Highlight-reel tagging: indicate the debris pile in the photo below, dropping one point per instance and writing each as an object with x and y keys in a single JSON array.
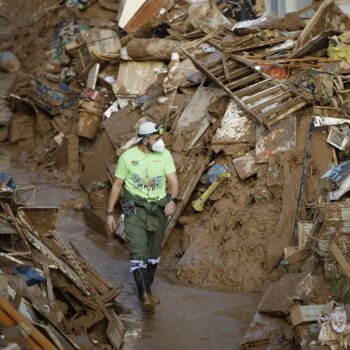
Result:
[
  {"x": 256, "y": 113},
  {"x": 66, "y": 304}
]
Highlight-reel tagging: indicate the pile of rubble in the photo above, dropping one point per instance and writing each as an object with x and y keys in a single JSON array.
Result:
[
  {"x": 256, "y": 114},
  {"x": 58, "y": 300}
]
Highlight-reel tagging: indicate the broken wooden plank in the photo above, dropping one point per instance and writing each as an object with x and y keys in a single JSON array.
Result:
[
  {"x": 252, "y": 88},
  {"x": 272, "y": 121},
  {"x": 184, "y": 197},
  {"x": 280, "y": 108},
  {"x": 339, "y": 257},
  {"x": 278, "y": 98},
  {"x": 256, "y": 45},
  {"x": 246, "y": 166},
  {"x": 7, "y": 209},
  {"x": 260, "y": 94},
  {"x": 244, "y": 81}
]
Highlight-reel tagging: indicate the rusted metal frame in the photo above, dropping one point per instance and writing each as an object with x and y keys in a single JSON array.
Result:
[
  {"x": 71, "y": 259},
  {"x": 251, "y": 63},
  {"x": 212, "y": 77},
  {"x": 199, "y": 41},
  {"x": 278, "y": 98}
]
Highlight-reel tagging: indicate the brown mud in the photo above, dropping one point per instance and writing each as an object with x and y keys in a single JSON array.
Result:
[{"x": 188, "y": 318}]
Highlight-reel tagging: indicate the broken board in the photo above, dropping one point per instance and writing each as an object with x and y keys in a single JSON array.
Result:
[
  {"x": 193, "y": 174},
  {"x": 246, "y": 166},
  {"x": 280, "y": 138},
  {"x": 197, "y": 108},
  {"x": 235, "y": 127}
]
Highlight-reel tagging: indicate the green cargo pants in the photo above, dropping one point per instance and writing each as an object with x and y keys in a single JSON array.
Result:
[{"x": 145, "y": 228}]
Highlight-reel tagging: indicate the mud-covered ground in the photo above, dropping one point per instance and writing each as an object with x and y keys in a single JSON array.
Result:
[{"x": 188, "y": 318}]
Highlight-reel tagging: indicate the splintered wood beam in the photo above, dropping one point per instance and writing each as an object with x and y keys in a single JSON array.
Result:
[
  {"x": 261, "y": 94},
  {"x": 270, "y": 122},
  {"x": 256, "y": 46},
  {"x": 220, "y": 84},
  {"x": 278, "y": 98},
  {"x": 197, "y": 174},
  {"x": 339, "y": 257},
  {"x": 244, "y": 81},
  {"x": 252, "y": 88},
  {"x": 224, "y": 62}
]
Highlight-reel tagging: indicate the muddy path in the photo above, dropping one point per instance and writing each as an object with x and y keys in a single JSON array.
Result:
[{"x": 188, "y": 318}]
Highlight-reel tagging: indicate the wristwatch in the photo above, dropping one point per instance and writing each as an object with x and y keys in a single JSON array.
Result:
[
  {"x": 109, "y": 213},
  {"x": 175, "y": 200}
]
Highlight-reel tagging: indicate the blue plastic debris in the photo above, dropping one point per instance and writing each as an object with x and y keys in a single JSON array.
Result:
[
  {"x": 31, "y": 275},
  {"x": 215, "y": 171},
  {"x": 7, "y": 181}
]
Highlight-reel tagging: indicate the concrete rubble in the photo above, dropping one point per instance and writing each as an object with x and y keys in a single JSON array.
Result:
[{"x": 256, "y": 112}]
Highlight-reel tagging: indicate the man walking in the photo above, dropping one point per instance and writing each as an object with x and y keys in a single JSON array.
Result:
[{"x": 143, "y": 172}]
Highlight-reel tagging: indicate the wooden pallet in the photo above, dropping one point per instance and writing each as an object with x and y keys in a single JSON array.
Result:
[{"x": 255, "y": 92}]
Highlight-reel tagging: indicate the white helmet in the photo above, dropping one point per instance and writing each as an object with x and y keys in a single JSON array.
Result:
[{"x": 148, "y": 129}]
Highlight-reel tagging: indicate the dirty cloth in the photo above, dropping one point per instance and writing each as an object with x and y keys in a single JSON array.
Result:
[
  {"x": 335, "y": 329},
  {"x": 145, "y": 226}
]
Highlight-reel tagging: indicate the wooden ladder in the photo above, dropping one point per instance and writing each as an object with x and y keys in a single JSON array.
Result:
[{"x": 255, "y": 92}]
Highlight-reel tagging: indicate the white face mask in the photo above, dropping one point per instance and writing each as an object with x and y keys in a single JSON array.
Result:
[{"x": 158, "y": 146}]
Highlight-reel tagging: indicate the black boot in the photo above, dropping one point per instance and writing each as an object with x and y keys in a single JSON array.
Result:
[
  {"x": 151, "y": 272},
  {"x": 144, "y": 289}
]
